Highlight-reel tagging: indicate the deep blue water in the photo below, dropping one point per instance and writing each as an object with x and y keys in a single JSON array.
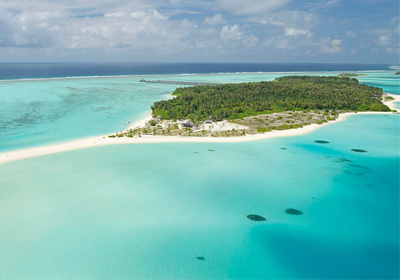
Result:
[{"x": 51, "y": 70}]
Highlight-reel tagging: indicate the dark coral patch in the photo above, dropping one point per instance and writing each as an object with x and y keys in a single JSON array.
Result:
[
  {"x": 200, "y": 258},
  {"x": 343, "y": 160},
  {"x": 292, "y": 211},
  {"x": 359, "y": 150},
  {"x": 321, "y": 142},
  {"x": 283, "y": 149},
  {"x": 210, "y": 150},
  {"x": 256, "y": 218}
]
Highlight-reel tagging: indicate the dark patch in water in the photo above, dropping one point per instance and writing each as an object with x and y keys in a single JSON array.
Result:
[
  {"x": 359, "y": 166},
  {"x": 256, "y": 218},
  {"x": 200, "y": 258},
  {"x": 359, "y": 150},
  {"x": 321, "y": 142},
  {"x": 343, "y": 160},
  {"x": 210, "y": 150},
  {"x": 283, "y": 149},
  {"x": 292, "y": 211},
  {"x": 195, "y": 152}
]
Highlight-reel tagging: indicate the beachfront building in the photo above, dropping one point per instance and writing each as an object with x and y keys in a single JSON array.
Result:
[{"x": 189, "y": 124}]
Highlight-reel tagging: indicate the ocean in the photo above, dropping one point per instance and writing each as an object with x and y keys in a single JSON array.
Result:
[
  {"x": 53, "y": 70},
  {"x": 162, "y": 211}
]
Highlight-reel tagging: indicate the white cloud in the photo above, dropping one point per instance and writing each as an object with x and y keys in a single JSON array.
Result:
[
  {"x": 353, "y": 51},
  {"x": 209, "y": 32},
  {"x": 217, "y": 19},
  {"x": 295, "y": 32},
  {"x": 250, "y": 7},
  {"x": 121, "y": 27},
  {"x": 231, "y": 32},
  {"x": 351, "y": 34},
  {"x": 323, "y": 4},
  {"x": 136, "y": 27},
  {"x": 294, "y": 19},
  {"x": 393, "y": 50},
  {"x": 384, "y": 40},
  {"x": 250, "y": 41},
  {"x": 334, "y": 47}
]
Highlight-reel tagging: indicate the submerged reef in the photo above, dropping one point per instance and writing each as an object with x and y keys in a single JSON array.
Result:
[
  {"x": 343, "y": 160},
  {"x": 200, "y": 258},
  {"x": 256, "y": 218},
  {"x": 292, "y": 211},
  {"x": 321, "y": 141},
  {"x": 359, "y": 150}
]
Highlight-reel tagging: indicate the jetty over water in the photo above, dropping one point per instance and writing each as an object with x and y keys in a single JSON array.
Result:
[{"x": 178, "y": 83}]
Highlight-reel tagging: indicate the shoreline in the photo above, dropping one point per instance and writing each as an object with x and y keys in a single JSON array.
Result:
[
  {"x": 185, "y": 74},
  {"x": 103, "y": 140}
]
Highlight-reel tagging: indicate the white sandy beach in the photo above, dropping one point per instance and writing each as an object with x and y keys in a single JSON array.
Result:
[{"x": 104, "y": 140}]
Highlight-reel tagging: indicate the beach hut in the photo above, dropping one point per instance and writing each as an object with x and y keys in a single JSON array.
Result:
[{"x": 189, "y": 124}]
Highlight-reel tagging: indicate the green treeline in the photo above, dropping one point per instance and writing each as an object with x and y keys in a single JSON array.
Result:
[
  {"x": 350, "y": 75},
  {"x": 290, "y": 93}
]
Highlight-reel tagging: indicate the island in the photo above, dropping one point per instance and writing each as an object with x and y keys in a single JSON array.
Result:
[
  {"x": 229, "y": 113},
  {"x": 227, "y": 110},
  {"x": 397, "y": 73},
  {"x": 350, "y": 75}
]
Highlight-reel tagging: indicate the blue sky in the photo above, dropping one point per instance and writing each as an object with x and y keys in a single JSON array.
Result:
[{"x": 356, "y": 31}]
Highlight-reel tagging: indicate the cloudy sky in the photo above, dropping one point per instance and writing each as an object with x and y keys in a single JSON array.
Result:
[{"x": 363, "y": 31}]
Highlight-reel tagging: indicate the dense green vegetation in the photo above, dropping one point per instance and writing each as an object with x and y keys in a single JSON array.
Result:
[
  {"x": 350, "y": 75},
  {"x": 291, "y": 93}
]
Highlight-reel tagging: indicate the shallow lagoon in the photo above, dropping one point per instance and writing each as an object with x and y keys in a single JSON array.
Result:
[{"x": 148, "y": 211}]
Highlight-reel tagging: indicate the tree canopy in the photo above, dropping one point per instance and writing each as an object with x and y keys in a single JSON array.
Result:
[{"x": 289, "y": 93}]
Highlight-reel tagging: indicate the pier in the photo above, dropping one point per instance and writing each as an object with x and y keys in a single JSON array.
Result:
[{"x": 178, "y": 83}]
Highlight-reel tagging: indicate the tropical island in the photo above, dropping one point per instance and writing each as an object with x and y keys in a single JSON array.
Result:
[
  {"x": 288, "y": 102},
  {"x": 350, "y": 75},
  {"x": 397, "y": 73},
  {"x": 287, "y": 106}
]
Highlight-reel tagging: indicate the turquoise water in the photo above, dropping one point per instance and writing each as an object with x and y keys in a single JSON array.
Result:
[
  {"x": 147, "y": 211},
  {"x": 39, "y": 112},
  {"x": 386, "y": 80},
  {"x": 45, "y": 111}
]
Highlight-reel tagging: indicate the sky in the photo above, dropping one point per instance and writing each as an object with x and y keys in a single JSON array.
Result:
[{"x": 338, "y": 31}]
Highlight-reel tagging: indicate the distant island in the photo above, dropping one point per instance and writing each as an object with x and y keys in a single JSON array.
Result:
[
  {"x": 350, "y": 75},
  {"x": 397, "y": 73},
  {"x": 257, "y": 107}
]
